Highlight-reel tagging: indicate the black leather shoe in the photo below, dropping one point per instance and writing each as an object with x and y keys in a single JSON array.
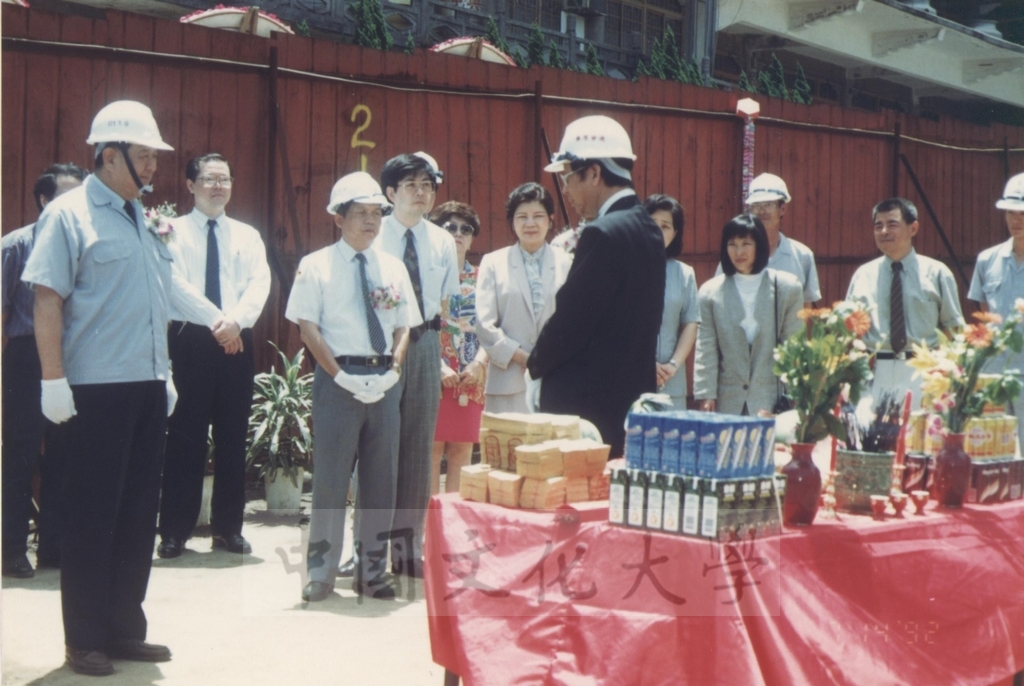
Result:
[
  {"x": 347, "y": 570},
  {"x": 377, "y": 589},
  {"x": 233, "y": 544},
  {"x": 18, "y": 567},
  {"x": 89, "y": 662},
  {"x": 315, "y": 591},
  {"x": 170, "y": 547},
  {"x": 137, "y": 650}
]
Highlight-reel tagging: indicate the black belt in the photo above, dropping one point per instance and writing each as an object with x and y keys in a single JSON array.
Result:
[
  {"x": 417, "y": 331},
  {"x": 890, "y": 355},
  {"x": 375, "y": 361}
]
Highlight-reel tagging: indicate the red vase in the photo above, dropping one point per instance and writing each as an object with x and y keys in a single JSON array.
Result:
[
  {"x": 952, "y": 472},
  {"x": 803, "y": 487}
]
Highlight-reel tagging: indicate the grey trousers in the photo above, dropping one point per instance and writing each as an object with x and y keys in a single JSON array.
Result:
[{"x": 343, "y": 427}]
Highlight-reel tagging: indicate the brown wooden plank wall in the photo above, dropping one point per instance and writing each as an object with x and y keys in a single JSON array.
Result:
[{"x": 459, "y": 111}]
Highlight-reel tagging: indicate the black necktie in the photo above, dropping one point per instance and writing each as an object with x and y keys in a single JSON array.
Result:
[
  {"x": 377, "y": 339},
  {"x": 212, "y": 265},
  {"x": 412, "y": 264},
  {"x": 897, "y": 320},
  {"x": 130, "y": 209}
]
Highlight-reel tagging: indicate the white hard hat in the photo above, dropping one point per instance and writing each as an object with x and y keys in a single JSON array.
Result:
[
  {"x": 356, "y": 187},
  {"x": 126, "y": 121},
  {"x": 1013, "y": 195},
  {"x": 435, "y": 171},
  {"x": 593, "y": 138},
  {"x": 766, "y": 188}
]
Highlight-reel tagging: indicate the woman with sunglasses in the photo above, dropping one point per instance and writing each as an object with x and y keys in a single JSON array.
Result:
[
  {"x": 516, "y": 296},
  {"x": 681, "y": 313},
  {"x": 744, "y": 313},
  {"x": 465, "y": 362}
]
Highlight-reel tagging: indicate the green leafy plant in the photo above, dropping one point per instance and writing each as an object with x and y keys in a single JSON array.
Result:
[
  {"x": 372, "y": 31},
  {"x": 801, "y": 92},
  {"x": 302, "y": 28},
  {"x": 745, "y": 83},
  {"x": 593, "y": 64},
  {"x": 493, "y": 37},
  {"x": 817, "y": 368},
  {"x": 410, "y": 44},
  {"x": 555, "y": 57},
  {"x": 951, "y": 371},
  {"x": 535, "y": 46},
  {"x": 279, "y": 435}
]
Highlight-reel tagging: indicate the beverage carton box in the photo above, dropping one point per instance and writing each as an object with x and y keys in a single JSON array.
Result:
[
  {"x": 914, "y": 476},
  {"x": 985, "y": 483},
  {"x": 635, "y": 425},
  {"x": 1016, "y": 491},
  {"x": 670, "y": 443},
  {"x": 767, "y": 465},
  {"x": 755, "y": 445},
  {"x": 738, "y": 455},
  {"x": 689, "y": 428},
  {"x": 715, "y": 445},
  {"x": 651, "y": 459}
]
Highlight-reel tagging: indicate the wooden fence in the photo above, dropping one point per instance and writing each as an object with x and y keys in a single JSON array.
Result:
[{"x": 294, "y": 114}]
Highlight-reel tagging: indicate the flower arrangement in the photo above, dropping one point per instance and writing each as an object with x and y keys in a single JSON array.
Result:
[
  {"x": 817, "y": 368},
  {"x": 158, "y": 221},
  {"x": 569, "y": 238},
  {"x": 385, "y": 297},
  {"x": 950, "y": 372}
]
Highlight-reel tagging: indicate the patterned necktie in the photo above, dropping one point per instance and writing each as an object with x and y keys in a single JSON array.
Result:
[
  {"x": 377, "y": 339},
  {"x": 897, "y": 320},
  {"x": 412, "y": 264},
  {"x": 130, "y": 209},
  {"x": 212, "y": 265}
]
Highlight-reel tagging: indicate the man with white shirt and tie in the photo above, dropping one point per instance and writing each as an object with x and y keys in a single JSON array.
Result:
[
  {"x": 354, "y": 306},
  {"x": 221, "y": 282},
  {"x": 428, "y": 252}
]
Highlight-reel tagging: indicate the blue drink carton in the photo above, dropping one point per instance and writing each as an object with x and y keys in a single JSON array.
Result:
[
  {"x": 767, "y": 464},
  {"x": 651, "y": 459},
  {"x": 670, "y": 443},
  {"x": 755, "y": 444},
  {"x": 689, "y": 428},
  {"x": 714, "y": 446},
  {"x": 635, "y": 424},
  {"x": 738, "y": 454}
]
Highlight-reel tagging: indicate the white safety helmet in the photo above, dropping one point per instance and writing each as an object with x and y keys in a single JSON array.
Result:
[
  {"x": 126, "y": 121},
  {"x": 1013, "y": 195},
  {"x": 596, "y": 138},
  {"x": 767, "y": 188},
  {"x": 356, "y": 187},
  {"x": 434, "y": 171}
]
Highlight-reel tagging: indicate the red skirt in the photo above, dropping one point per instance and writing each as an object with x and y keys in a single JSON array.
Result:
[{"x": 455, "y": 423}]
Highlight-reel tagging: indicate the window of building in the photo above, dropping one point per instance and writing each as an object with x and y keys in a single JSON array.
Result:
[{"x": 646, "y": 18}]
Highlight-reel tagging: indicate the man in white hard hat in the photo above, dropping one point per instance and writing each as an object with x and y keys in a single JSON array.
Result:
[
  {"x": 23, "y": 424},
  {"x": 221, "y": 283},
  {"x": 102, "y": 280},
  {"x": 768, "y": 199},
  {"x": 593, "y": 355},
  {"x": 428, "y": 252},
  {"x": 999, "y": 279},
  {"x": 910, "y": 298},
  {"x": 355, "y": 306}
]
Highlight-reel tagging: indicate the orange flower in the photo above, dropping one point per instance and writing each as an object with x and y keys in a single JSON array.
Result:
[
  {"x": 988, "y": 317},
  {"x": 805, "y": 314},
  {"x": 1019, "y": 305},
  {"x": 978, "y": 335},
  {"x": 823, "y": 312},
  {"x": 858, "y": 323}
]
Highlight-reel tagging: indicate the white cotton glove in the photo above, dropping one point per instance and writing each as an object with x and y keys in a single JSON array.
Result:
[
  {"x": 383, "y": 383},
  {"x": 368, "y": 398},
  {"x": 172, "y": 396},
  {"x": 354, "y": 384},
  {"x": 58, "y": 402},
  {"x": 532, "y": 392}
]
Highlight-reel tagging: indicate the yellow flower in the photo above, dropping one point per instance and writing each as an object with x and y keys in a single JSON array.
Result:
[{"x": 935, "y": 384}]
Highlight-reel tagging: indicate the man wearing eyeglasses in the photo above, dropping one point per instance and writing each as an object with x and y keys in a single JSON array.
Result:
[
  {"x": 221, "y": 282},
  {"x": 428, "y": 252}
]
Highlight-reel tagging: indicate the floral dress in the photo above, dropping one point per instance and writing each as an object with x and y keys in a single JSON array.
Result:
[{"x": 459, "y": 344}]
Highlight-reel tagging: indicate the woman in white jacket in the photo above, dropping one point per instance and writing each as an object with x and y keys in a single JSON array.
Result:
[{"x": 515, "y": 296}]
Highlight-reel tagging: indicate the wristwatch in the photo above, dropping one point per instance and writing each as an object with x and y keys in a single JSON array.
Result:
[
  {"x": 397, "y": 368},
  {"x": 673, "y": 363}
]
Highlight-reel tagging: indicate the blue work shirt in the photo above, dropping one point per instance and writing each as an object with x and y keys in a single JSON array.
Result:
[
  {"x": 997, "y": 283},
  {"x": 18, "y": 298},
  {"x": 115, "y": 278}
]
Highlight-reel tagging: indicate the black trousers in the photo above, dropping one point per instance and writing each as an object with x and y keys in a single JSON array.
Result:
[
  {"x": 111, "y": 494},
  {"x": 22, "y": 435},
  {"x": 214, "y": 389}
]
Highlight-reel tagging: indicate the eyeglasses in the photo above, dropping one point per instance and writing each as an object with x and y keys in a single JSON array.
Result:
[
  {"x": 211, "y": 181},
  {"x": 416, "y": 186},
  {"x": 454, "y": 228},
  {"x": 760, "y": 207},
  {"x": 565, "y": 176}
]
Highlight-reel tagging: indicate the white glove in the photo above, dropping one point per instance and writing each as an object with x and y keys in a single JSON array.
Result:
[
  {"x": 172, "y": 396},
  {"x": 354, "y": 384},
  {"x": 368, "y": 398},
  {"x": 58, "y": 402},
  {"x": 382, "y": 383}
]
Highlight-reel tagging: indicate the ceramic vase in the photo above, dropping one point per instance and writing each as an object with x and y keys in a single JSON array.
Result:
[
  {"x": 803, "y": 487},
  {"x": 952, "y": 472}
]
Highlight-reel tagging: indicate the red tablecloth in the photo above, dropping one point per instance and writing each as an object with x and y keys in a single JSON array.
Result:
[{"x": 523, "y": 597}]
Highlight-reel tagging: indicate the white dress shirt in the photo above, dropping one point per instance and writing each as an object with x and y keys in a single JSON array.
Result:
[
  {"x": 624, "y": 193},
  {"x": 329, "y": 293},
  {"x": 435, "y": 251},
  {"x": 244, "y": 274}
]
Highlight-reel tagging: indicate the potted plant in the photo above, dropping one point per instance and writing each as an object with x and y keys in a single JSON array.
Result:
[
  {"x": 816, "y": 368},
  {"x": 950, "y": 375},
  {"x": 280, "y": 443},
  {"x": 864, "y": 465}
]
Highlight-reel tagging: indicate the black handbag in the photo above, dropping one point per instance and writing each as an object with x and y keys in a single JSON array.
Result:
[{"x": 784, "y": 403}]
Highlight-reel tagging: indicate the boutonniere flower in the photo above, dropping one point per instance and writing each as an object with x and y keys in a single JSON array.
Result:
[
  {"x": 158, "y": 221},
  {"x": 385, "y": 297}
]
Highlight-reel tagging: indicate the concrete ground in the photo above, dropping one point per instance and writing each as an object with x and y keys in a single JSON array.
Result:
[{"x": 232, "y": 619}]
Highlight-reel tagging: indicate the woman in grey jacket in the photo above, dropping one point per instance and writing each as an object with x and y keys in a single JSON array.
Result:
[{"x": 745, "y": 313}]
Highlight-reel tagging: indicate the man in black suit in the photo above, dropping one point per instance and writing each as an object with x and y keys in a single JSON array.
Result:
[{"x": 594, "y": 354}]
